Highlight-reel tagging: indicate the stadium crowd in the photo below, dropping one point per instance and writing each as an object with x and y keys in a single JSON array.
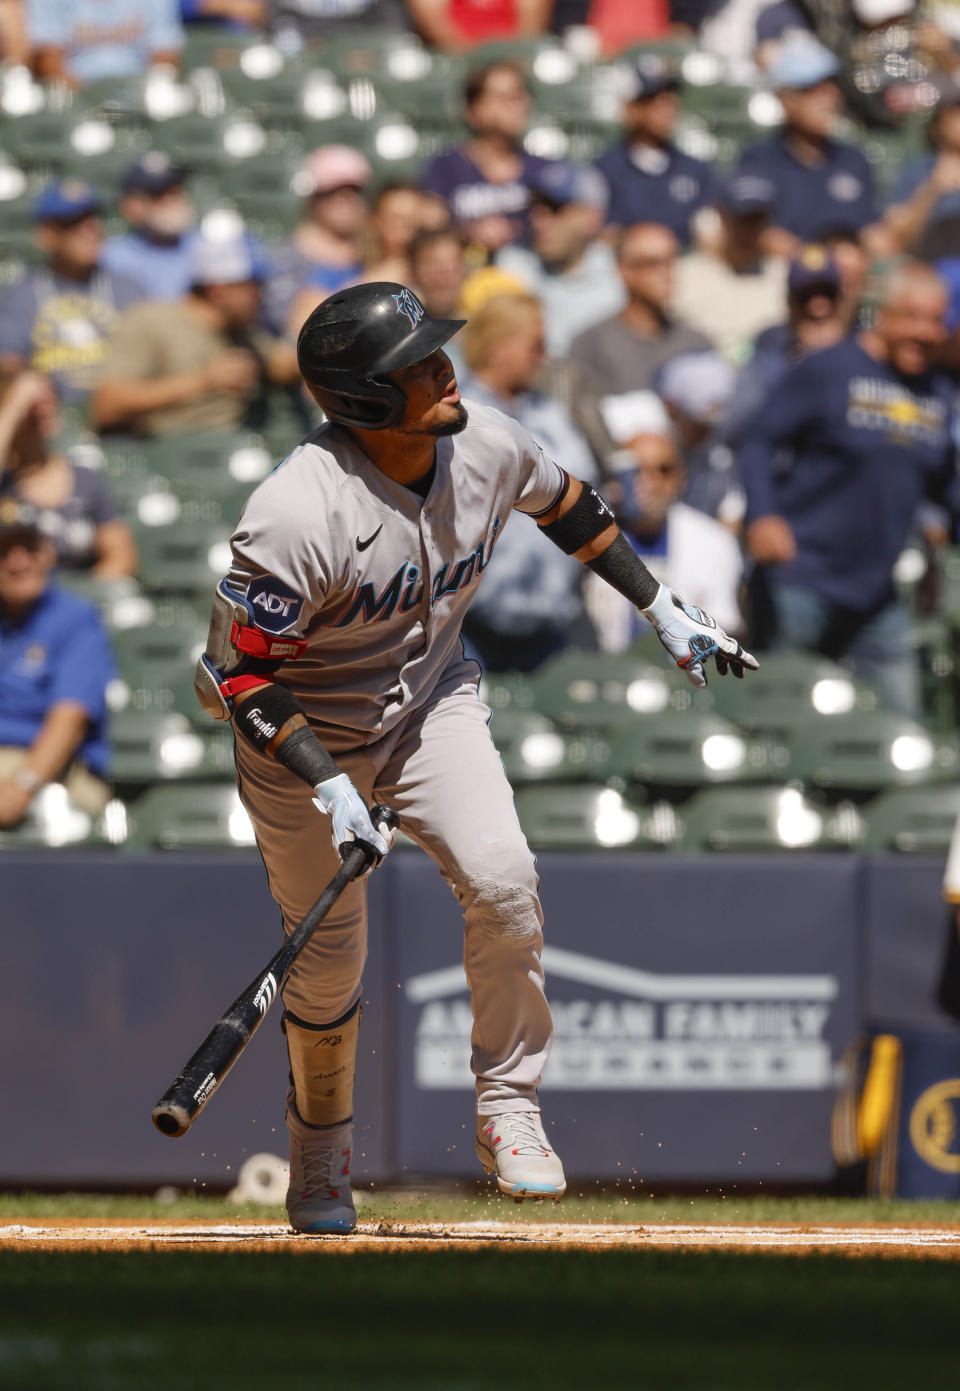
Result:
[{"x": 757, "y": 359}]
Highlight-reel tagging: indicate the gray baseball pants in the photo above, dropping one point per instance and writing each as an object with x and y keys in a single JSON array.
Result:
[{"x": 440, "y": 771}]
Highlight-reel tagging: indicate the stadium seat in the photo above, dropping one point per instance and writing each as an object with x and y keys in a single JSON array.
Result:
[
  {"x": 534, "y": 750},
  {"x": 868, "y": 751},
  {"x": 680, "y": 750},
  {"x": 198, "y": 816},
  {"x": 148, "y": 747},
  {"x": 762, "y": 818},
  {"x": 210, "y": 464},
  {"x": 790, "y": 688},
  {"x": 603, "y": 692},
  {"x": 913, "y": 819},
  {"x": 506, "y": 691},
  {"x": 578, "y": 817},
  {"x": 151, "y": 661},
  {"x": 185, "y": 557}
]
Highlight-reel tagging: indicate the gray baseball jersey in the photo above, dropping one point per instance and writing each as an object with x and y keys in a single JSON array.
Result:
[{"x": 375, "y": 578}]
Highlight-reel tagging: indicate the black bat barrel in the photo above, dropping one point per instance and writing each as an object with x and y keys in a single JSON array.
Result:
[{"x": 197, "y": 1081}]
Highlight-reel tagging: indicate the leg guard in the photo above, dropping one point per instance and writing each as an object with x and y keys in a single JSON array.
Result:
[{"x": 322, "y": 1066}]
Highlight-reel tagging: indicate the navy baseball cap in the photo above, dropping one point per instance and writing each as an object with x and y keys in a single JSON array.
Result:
[
  {"x": 153, "y": 173},
  {"x": 67, "y": 200},
  {"x": 813, "y": 268},
  {"x": 560, "y": 184},
  {"x": 18, "y": 518},
  {"x": 748, "y": 194},
  {"x": 651, "y": 76}
]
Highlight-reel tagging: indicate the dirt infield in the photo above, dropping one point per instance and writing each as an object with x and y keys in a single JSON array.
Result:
[{"x": 852, "y": 1240}]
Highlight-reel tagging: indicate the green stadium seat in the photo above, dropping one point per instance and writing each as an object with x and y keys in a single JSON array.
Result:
[
  {"x": 751, "y": 819},
  {"x": 603, "y": 691},
  {"x": 578, "y": 817},
  {"x": 151, "y": 661},
  {"x": 684, "y": 749},
  {"x": 506, "y": 691},
  {"x": 195, "y": 816},
  {"x": 868, "y": 751},
  {"x": 790, "y": 688},
  {"x": 185, "y": 557},
  {"x": 149, "y": 747},
  {"x": 534, "y": 750},
  {"x": 917, "y": 820}
]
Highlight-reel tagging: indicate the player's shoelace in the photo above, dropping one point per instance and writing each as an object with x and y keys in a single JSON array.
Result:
[
  {"x": 323, "y": 1170},
  {"x": 521, "y": 1132}
]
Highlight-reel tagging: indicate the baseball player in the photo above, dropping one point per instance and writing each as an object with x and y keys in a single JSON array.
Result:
[{"x": 335, "y": 649}]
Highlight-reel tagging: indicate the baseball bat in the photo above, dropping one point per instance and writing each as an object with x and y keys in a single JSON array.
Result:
[{"x": 197, "y": 1081}]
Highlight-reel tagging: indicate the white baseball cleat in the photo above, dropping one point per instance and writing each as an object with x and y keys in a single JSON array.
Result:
[
  {"x": 319, "y": 1199},
  {"x": 514, "y": 1147}
]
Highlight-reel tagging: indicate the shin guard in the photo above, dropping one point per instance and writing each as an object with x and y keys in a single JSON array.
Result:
[{"x": 322, "y": 1066}]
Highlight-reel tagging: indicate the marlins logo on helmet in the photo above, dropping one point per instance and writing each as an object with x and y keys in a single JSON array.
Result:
[{"x": 408, "y": 304}]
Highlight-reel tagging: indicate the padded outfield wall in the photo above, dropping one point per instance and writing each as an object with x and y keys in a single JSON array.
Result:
[{"x": 702, "y": 1008}]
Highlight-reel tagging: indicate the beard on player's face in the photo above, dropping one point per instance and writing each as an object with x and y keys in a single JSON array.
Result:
[{"x": 450, "y": 427}]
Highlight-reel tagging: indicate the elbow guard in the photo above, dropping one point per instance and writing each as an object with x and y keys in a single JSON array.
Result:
[
  {"x": 238, "y": 654},
  {"x": 582, "y": 523}
]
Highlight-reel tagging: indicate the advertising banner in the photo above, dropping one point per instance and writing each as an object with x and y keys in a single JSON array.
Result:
[{"x": 701, "y": 1007}]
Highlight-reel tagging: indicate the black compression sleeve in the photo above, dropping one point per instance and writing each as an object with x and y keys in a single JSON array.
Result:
[
  {"x": 623, "y": 569},
  {"x": 303, "y": 753},
  {"x": 260, "y": 719}
]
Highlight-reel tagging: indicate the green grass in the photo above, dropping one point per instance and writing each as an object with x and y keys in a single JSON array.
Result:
[
  {"x": 475, "y": 1320},
  {"x": 455, "y": 1321},
  {"x": 471, "y": 1206}
]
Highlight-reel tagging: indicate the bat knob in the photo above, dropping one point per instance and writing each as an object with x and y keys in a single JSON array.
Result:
[
  {"x": 170, "y": 1119},
  {"x": 385, "y": 817}
]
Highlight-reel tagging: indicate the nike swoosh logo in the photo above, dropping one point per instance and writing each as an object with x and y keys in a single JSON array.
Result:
[{"x": 362, "y": 545}]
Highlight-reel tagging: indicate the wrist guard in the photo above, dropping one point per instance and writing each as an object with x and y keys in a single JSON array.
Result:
[
  {"x": 623, "y": 569},
  {"x": 585, "y": 520}
]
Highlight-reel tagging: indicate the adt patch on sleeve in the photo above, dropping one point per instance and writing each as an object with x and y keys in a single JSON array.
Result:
[{"x": 276, "y": 606}]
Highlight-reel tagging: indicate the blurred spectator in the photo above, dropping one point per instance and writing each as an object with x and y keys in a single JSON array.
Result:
[
  {"x": 924, "y": 215},
  {"x": 74, "y": 508},
  {"x": 53, "y": 677},
  {"x": 820, "y": 182},
  {"x": 697, "y": 389},
  {"x": 776, "y": 25},
  {"x": 395, "y": 219},
  {"x": 835, "y": 467},
  {"x": 853, "y": 264},
  {"x": 14, "y": 45},
  {"x": 231, "y": 14},
  {"x": 326, "y": 248},
  {"x": 437, "y": 271},
  {"x": 155, "y": 251},
  {"x": 649, "y": 179},
  {"x": 815, "y": 320},
  {"x": 58, "y": 317},
  {"x": 622, "y": 353},
  {"x": 733, "y": 290},
  {"x": 456, "y": 25},
  {"x": 530, "y": 603},
  {"x": 298, "y": 24},
  {"x": 84, "y": 41},
  {"x": 618, "y": 25},
  {"x": 198, "y": 363},
  {"x": 568, "y": 269},
  {"x": 486, "y": 182},
  {"x": 690, "y": 552},
  {"x": 394, "y": 222}
]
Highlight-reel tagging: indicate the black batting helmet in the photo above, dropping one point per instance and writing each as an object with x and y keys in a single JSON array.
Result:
[{"x": 354, "y": 338}]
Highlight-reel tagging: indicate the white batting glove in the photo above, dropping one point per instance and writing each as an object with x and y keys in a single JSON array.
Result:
[
  {"x": 692, "y": 636},
  {"x": 350, "y": 819}
]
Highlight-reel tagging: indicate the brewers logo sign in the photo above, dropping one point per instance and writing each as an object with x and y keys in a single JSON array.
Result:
[{"x": 934, "y": 1131}]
